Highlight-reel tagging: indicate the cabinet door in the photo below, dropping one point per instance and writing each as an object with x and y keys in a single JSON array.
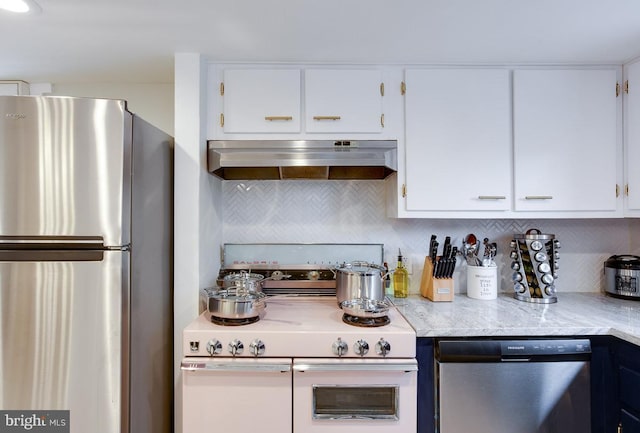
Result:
[
  {"x": 261, "y": 100},
  {"x": 565, "y": 140},
  {"x": 628, "y": 423},
  {"x": 632, "y": 139},
  {"x": 344, "y": 101},
  {"x": 458, "y": 139}
]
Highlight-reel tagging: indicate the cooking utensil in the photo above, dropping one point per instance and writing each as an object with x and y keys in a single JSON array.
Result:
[
  {"x": 360, "y": 280},
  {"x": 470, "y": 249},
  {"x": 490, "y": 250},
  {"x": 234, "y": 303},
  {"x": 367, "y": 308},
  {"x": 243, "y": 280}
]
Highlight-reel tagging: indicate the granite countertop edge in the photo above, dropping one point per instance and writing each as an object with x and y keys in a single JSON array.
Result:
[{"x": 575, "y": 314}]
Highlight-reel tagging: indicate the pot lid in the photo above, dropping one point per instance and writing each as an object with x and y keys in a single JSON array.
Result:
[
  {"x": 361, "y": 268},
  {"x": 243, "y": 276},
  {"x": 233, "y": 294}
]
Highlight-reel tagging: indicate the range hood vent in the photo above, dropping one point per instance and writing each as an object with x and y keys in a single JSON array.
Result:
[{"x": 302, "y": 159}]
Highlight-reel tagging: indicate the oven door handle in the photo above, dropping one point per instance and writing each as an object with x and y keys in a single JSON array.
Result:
[
  {"x": 199, "y": 366},
  {"x": 404, "y": 367}
]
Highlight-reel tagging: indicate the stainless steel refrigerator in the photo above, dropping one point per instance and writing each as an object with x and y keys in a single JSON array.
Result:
[{"x": 86, "y": 238}]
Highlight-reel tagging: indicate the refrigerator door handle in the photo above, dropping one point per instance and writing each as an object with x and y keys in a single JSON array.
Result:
[{"x": 49, "y": 255}]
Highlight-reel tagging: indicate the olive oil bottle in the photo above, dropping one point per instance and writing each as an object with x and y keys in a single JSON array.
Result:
[{"x": 400, "y": 279}]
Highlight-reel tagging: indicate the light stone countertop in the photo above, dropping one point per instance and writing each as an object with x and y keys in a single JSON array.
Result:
[{"x": 575, "y": 314}]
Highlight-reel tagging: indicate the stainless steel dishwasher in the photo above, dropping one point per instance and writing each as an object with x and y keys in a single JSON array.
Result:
[{"x": 513, "y": 386}]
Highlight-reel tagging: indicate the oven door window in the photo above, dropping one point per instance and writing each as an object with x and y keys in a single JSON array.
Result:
[{"x": 355, "y": 402}]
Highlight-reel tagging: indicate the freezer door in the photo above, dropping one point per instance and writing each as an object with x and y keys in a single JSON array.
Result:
[
  {"x": 61, "y": 338},
  {"x": 64, "y": 167}
]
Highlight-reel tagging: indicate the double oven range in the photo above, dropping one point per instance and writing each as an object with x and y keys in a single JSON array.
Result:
[{"x": 303, "y": 367}]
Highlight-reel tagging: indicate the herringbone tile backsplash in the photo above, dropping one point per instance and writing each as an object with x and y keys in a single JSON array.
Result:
[{"x": 354, "y": 212}]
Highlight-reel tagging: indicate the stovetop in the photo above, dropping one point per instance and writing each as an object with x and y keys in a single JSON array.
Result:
[{"x": 302, "y": 326}]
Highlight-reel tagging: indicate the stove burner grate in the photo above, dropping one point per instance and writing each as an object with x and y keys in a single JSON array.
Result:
[
  {"x": 223, "y": 321},
  {"x": 366, "y": 322}
]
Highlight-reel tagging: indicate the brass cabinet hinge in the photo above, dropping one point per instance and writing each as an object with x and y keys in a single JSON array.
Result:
[
  {"x": 222, "y": 120},
  {"x": 626, "y": 190},
  {"x": 221, "y": 88},
  {"x": 404, "y": 190},
  {"x": 381, "y": 89},
  {"x": 626, "y": 87},
  {"x": 617, "y": 89},
  {"x": 382, "y": 120},
  {"x": 403, "y": 88}
]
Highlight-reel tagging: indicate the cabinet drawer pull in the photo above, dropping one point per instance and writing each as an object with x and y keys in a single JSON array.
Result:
[
  {"x": 538, "y": 197},
  {"x": 272, "y": 118},
  {"x": 492, "y": 197},
  {"x": 326, "y": 117}
]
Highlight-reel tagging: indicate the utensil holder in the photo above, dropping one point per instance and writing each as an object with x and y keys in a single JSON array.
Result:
[
  {"x": 435, "y": 289},
  {"x": 482, "y": 282}
]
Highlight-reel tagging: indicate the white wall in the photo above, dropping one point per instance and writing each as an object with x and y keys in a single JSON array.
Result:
[
  {"x": 198, "y": 224},
  {"x": 353, "y": 212},
  {"x": 153, "y": 102}
]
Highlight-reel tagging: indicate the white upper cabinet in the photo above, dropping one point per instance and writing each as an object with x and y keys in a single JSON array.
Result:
[
  {"x": 296, "y": 102},
  {"x": 632, "y": 139},
  {"x": 458, "y": 140},
  {"x": 343, "y": 100},
  {"x": 566, "y": 142},
  {"x": 260, "y": 100}
]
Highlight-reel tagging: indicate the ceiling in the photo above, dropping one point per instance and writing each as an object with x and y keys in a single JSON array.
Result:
[{"x": 72, "y": 41}]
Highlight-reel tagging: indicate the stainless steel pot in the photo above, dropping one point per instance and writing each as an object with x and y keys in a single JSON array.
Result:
[
  {"x": 360, "y": 280},
  {"x": 233, "y": 303},
  {"x": 366, "y": 308},
  {"x": 243, "y": 280}
]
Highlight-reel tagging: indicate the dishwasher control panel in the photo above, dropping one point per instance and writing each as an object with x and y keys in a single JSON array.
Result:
[{"x": 513, "y": 350}]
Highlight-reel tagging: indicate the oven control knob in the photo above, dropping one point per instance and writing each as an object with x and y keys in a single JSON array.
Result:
[
  {"x": 361, "y": 347},
  {"x": 214, "y": 347},
  {"x": 340, "y": 347},
  {"x": 256, "y": 347},
  {"x": 236, "y": 347},
  {"x": 383, "y": 347}
]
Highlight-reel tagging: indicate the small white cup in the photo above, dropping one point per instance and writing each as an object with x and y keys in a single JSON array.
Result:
[{"x": 482, "y": 282}]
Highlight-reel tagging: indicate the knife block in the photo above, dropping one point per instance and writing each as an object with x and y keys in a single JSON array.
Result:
[{"x": 435, "y": 289}]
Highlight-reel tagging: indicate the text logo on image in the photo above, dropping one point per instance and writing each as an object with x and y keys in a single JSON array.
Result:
[{"x": 36, "y": 421}]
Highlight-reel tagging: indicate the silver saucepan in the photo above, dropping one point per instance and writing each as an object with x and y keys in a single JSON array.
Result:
[
  {"x": 366, "y": 308},
  {"x": 233, "y": 303},
  {"x": 252, "y": 282},
  {"x": 360, "y": 280}
]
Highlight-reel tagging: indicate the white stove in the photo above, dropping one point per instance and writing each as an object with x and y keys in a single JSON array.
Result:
[
  {"x": 300, "y": 368},
  {"x": 302, "y": 326}
]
